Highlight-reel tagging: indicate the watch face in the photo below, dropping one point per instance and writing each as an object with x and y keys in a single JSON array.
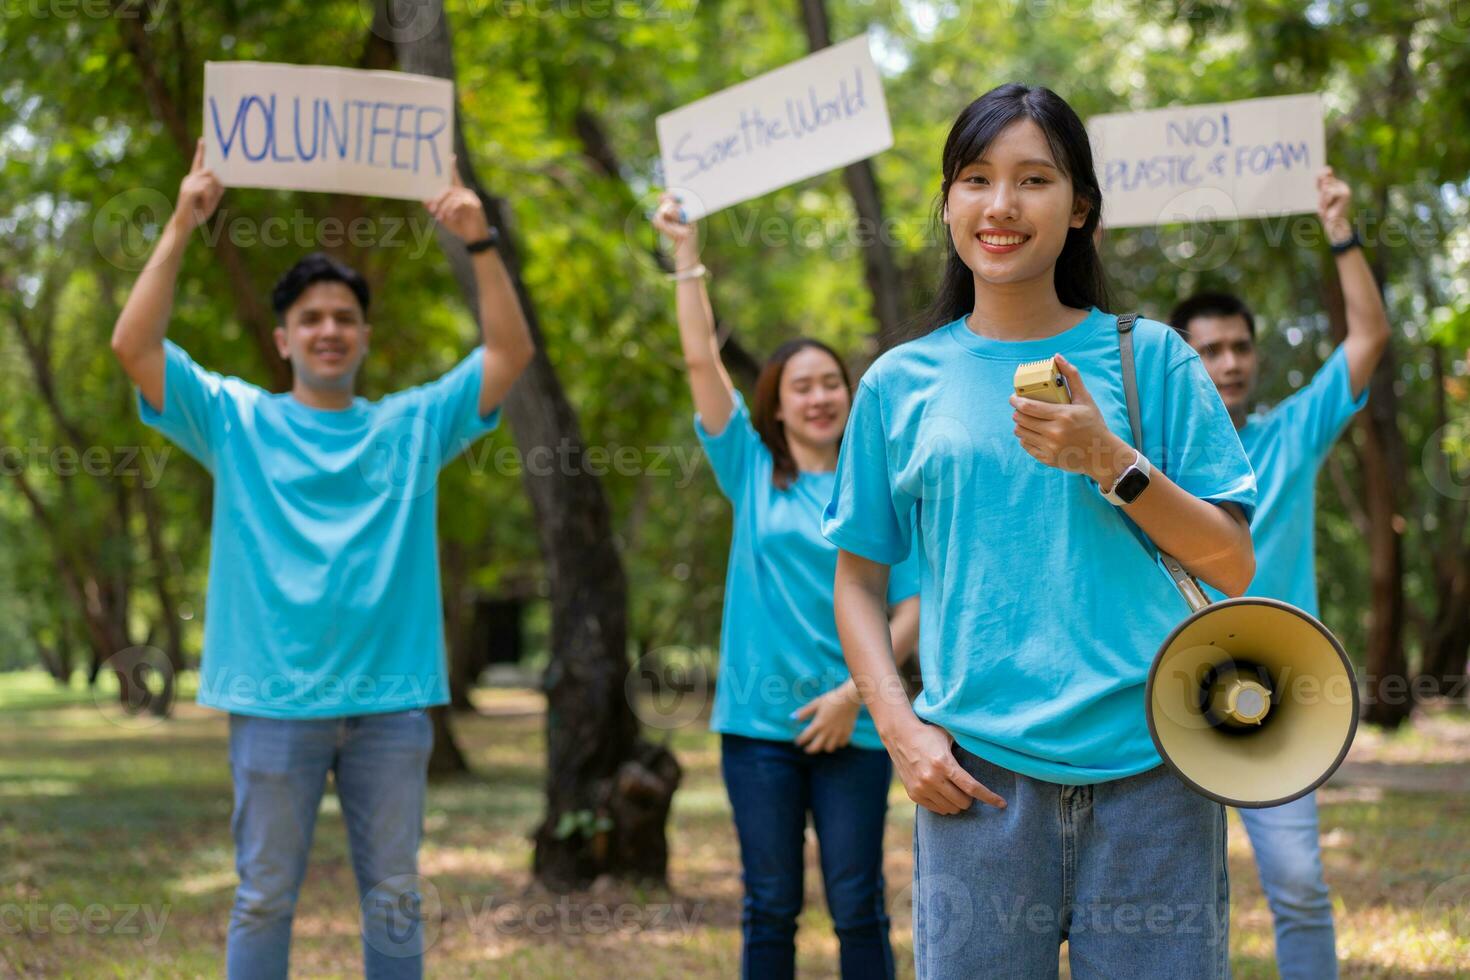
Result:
[{"x": 1133, "y": 483}]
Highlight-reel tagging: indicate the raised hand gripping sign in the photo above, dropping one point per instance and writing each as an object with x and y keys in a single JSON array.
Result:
[
  {"x": 811, "y": 116},
  {"x": 308, "y": 128},
  {"x": 1227, "y": 160}
]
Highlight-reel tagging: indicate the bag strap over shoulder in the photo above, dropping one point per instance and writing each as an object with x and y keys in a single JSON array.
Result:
[{"x": 1188, "y": 587}]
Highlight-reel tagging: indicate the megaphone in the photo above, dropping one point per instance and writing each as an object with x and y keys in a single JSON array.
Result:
[{"x": 1250, "y": 701}]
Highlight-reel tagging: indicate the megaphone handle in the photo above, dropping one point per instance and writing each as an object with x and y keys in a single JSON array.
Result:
[{"x": 1185, "y": 583}]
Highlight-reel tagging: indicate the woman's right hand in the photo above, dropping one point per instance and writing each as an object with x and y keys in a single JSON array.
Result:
[
  {"x": 667, "y": 220},
  {"x": 933, "y": 777}
]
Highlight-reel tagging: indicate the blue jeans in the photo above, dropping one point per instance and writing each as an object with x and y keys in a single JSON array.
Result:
[
  {"x": 1289, "y": 858},
  {"x": 772, "y": 786},
  {"x": 1132, "y": 873},
  {"x": 280, "y": 767}
]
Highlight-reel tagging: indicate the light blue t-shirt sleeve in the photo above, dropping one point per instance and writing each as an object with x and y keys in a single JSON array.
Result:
[
  {"x": 867, "y": 516},
  {"x": 1201, "y": 450},
  {"x": 451, "y": 405},
  {"x": 193, "y": 401},
  {"x": 904, "y": 578},
  {"x": 734, "y": 452},
  {"x": 1319, "y": 412}
]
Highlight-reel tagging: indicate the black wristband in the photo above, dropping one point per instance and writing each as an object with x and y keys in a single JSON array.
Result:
[
  {"x": 489, "y": 241},
  {"x": 1353, "y": 241}
]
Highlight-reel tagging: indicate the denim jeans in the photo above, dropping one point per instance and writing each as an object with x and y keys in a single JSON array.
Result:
[
  {"x": 1132, "y": 873},
  {"x": 280, "y": 767},
  {"x": 1289, "y": 858},
  {"x": 772, "y": 787}
]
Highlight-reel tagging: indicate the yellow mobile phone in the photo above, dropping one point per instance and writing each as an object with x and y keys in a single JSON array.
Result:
[{"x": 1042, "y": 381}]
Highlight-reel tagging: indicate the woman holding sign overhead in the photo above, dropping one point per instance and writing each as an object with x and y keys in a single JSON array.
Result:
[
  {"x": 1044, "y": 812},
  {"x": 794, "y": 737}
]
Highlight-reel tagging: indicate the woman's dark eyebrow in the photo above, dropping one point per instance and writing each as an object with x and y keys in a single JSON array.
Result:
[{"x": 1033, "y": 162}]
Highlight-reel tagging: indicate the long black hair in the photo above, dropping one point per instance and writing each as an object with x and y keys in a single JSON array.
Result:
[{"x": 1079, "y": 275}]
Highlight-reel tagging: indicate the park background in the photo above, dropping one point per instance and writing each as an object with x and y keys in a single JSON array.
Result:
[{"x": 597, "y": 581}]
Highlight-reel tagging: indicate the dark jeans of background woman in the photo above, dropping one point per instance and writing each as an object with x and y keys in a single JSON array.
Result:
[{"x": 773, "y": 786}]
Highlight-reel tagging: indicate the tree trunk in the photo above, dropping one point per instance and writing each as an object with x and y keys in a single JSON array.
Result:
[
  {"x": 1380, "y": 453},
  {"x": 1447, "y": 640},
  {"x": 608, "y": 791},
  {"x": 885, "y": 280}
]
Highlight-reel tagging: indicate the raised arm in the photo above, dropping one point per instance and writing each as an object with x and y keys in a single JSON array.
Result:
[
  {"x": 503, "y": 329},
  {"x": 1367, "y": 320},
  {"x": 708, "y": 381},
  {"x": 137, "y": 338}
]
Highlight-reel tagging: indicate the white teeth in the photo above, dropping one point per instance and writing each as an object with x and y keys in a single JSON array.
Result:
[{"x": 1002, "y": 239}]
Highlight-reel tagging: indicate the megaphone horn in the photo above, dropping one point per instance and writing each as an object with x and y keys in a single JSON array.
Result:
[{"x": 1250, "y": 701}]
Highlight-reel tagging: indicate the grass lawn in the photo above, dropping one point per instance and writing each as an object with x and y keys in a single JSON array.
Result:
[{"x": 116, "y": 861}]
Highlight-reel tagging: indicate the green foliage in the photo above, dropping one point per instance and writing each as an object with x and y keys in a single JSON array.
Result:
[{"x": 81, "y": 137}]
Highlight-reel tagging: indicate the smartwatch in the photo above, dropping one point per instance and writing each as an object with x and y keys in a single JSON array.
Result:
[{"x": 1130, "y": 484}]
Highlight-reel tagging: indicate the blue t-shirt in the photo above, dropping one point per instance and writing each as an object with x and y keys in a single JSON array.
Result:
[
  {"x": 1286, "y": 446},
  {"x": 323, "y": 593},
  {"x": 1041, "y": 605},
  {"x": 778, "y": 640}
]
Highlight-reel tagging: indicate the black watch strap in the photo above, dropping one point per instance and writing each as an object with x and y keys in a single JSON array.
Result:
[
  {"x": 489, "y": 241},
  {"x": 1353, "y": 241}
]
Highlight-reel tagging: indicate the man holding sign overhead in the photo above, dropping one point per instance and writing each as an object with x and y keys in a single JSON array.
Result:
[
  {"x": 324, "y": 635},
  {"x": 1287, "y": 445}
]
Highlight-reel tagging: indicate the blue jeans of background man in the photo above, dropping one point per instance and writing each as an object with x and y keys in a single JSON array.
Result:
[
  {"x": 1289, "y": 859},
  {"x": 773, "y": 786},
  {"x": 280, "y": 767},
  {"x": 1131, "y": 873}
]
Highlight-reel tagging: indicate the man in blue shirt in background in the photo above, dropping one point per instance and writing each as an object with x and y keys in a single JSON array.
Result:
[
  {"x": 1286, "y": 446},
  {"x": 323, "y": 635}
]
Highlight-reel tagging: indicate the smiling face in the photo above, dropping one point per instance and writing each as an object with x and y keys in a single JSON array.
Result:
[
  {"x": 325, "y": 336},
  {"x": 814, "y": 399},
  {"x": 1228, "y": 351},
  {"x": 1009, "y": 210}
]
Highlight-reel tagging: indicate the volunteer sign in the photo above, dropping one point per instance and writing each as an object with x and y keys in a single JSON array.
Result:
[
  {"x": 308, "y": 128},
  {"x": 1247, "y": 159},
  {"x": 806, "y": 118}
]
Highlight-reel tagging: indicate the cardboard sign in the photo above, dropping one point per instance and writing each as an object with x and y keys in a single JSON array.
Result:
[
  {"x": 306, "y": 128},
  {"x": 811, "y": 116},
  {"x": 1249, "y": 159}
]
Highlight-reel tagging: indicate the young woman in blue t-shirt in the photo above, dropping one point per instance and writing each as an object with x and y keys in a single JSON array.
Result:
[
  {"x": 793, "y": 736},
  {"x": 1042, "y": 602}
]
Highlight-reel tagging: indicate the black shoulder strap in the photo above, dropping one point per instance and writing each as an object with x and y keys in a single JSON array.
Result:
[
  {"x": 1183, "y": 581},
  {"x": 1130, "y": 376}
]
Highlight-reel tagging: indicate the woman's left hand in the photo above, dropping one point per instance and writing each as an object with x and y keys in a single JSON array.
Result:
[
  {"x": 1071, "y": 437},
  {"x": 833, "y": 716}
]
